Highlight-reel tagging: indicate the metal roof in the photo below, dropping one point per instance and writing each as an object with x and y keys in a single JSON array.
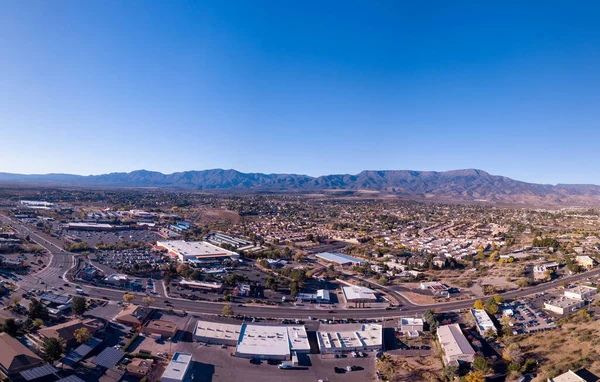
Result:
[
  {"x": 71, "y": 378},
  {"x": 339, "y": 258},
  {"x": 108, "y": 358},
  {"x": 38, "y": 372},
  {"x": 78, "y": 354},
  {"x": 54, "y": 298}
]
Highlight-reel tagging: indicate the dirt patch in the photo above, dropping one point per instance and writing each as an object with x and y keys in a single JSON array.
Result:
[{"x": 419, "y": 298}]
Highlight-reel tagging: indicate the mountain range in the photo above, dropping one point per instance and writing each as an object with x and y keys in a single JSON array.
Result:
[{"x": 457, "y": 185}]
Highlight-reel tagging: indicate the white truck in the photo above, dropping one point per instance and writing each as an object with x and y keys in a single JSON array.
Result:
[{"x": 285, "y": 365}]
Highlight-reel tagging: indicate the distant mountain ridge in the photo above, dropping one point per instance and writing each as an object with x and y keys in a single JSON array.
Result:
[{"x": 467, "y": 185}]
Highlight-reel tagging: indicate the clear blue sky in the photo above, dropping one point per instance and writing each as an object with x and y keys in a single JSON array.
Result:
[{"x": 311, "y": 87}]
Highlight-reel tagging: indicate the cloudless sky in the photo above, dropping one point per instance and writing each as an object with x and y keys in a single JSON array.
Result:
[{"x": 310, "y": 87}]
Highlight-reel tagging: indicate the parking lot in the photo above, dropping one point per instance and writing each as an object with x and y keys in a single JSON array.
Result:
[
  {"x": 213, "y": 363},
  {"x": 113, "y": 237},
  {"x": 528, "y": 318}
]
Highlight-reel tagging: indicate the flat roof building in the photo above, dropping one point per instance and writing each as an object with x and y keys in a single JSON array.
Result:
[
  {"x": 358, "y": 294},
  {"x": 580, "y": 292},
  {"x": 455, "y": 345},
  {"x": 186, "y": 250},
  {"x": 563, "y": 305},
  {"x": 274, "y": 342},
  {"x": 349, "y": 337},
  {"x": 339, "y": 258},
  {"x": 483, "y": 322},
  {"x": 160, "y": 328},
  {"x": 411, "y": 324},
  {"x": 178, "y": 369},
  {"x": 217, "y": 333}
]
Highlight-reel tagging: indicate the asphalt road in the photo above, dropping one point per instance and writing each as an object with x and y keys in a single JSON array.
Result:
[{"x": 61, "y": 261}]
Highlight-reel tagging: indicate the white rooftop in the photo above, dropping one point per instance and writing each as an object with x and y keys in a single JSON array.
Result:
[
  {"x": 178, "y": 367},
  {"x": 349, "y": 336},
  {"x": 217, "y": 330},
  {"x": 272, "y": 339},
  {"x": 482, "y": 319},
  {"x": 411, "y": 321},
  {"x": 194, "y": 248},
  {"x": 453, "y": 341},
  {"x": 358, "y": 293}
]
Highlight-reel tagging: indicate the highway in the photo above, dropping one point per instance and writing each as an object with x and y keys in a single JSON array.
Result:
[{"x": 62, "y": 261}]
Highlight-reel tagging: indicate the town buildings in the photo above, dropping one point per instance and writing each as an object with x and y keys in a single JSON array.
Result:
[
  {"x": 160, "y": 328},
  {"x": 358, "y": 295},
  {"x": 338, "y": 258},
  {"x": 454, "y": 344}
]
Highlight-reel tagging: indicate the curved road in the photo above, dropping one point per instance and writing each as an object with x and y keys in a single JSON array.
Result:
[{"x": 62, "y": 261}]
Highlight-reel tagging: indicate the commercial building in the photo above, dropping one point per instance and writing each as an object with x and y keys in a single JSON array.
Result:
[
  {"x": 16, "y": 357},
  {"x": 359, "y": 295},
  {"x": 84, "y": 226},
  {"x": 178, "y": 369},
  {"x": 274, "y": 342},
  {"x": 580, "y": 292},
  {"x": 454, "y": 344},
  {"x": 200, "y": 285},
  {"x": 436, "y": 288},
  {"x": 411, "y": 324},
  {"x": 349, "y": 337},
  {"x": 186, "y": 250},
  {"x": 563, "y": 305},
  {"x": 483, "y": 322},
  {"x": 585, "y": 261},
  {"x": 117, "y": 279},
  {"x": 160, "y": 328},
  {"x": 321, "y": 297},
  {"x": 217, "y": 333},
  {"x": 338, "y": 258}
]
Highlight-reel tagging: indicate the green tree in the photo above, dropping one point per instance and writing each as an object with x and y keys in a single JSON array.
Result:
[
  {"x": 293, "y": 289},
  {"x": 450, "y": 372},
  {"x": 37, "y": 310},
  {"x": 10, "y": 327},
  {"x": 78, "y": 305},
  {"x": 227, "y": 310},
  {"x": 52, "y": 349},
  {"x": 481, "y": 364},
  {"x": 491, "y": 307},
  {"x": 498, "y": 299}
]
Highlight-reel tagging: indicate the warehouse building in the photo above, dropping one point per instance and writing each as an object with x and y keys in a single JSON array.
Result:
[
  {"x": 336, "y": 339},
  {"x": 186, "y": 250},
  {"x": 359, "y": 295},
  {"x": 455, "y": 345},
  {"x": 483, "y": 322},
  {"x": 217, "y": 333},
  {"x": 274, "y": 342},
  {"x": 338, "y": 258}
]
